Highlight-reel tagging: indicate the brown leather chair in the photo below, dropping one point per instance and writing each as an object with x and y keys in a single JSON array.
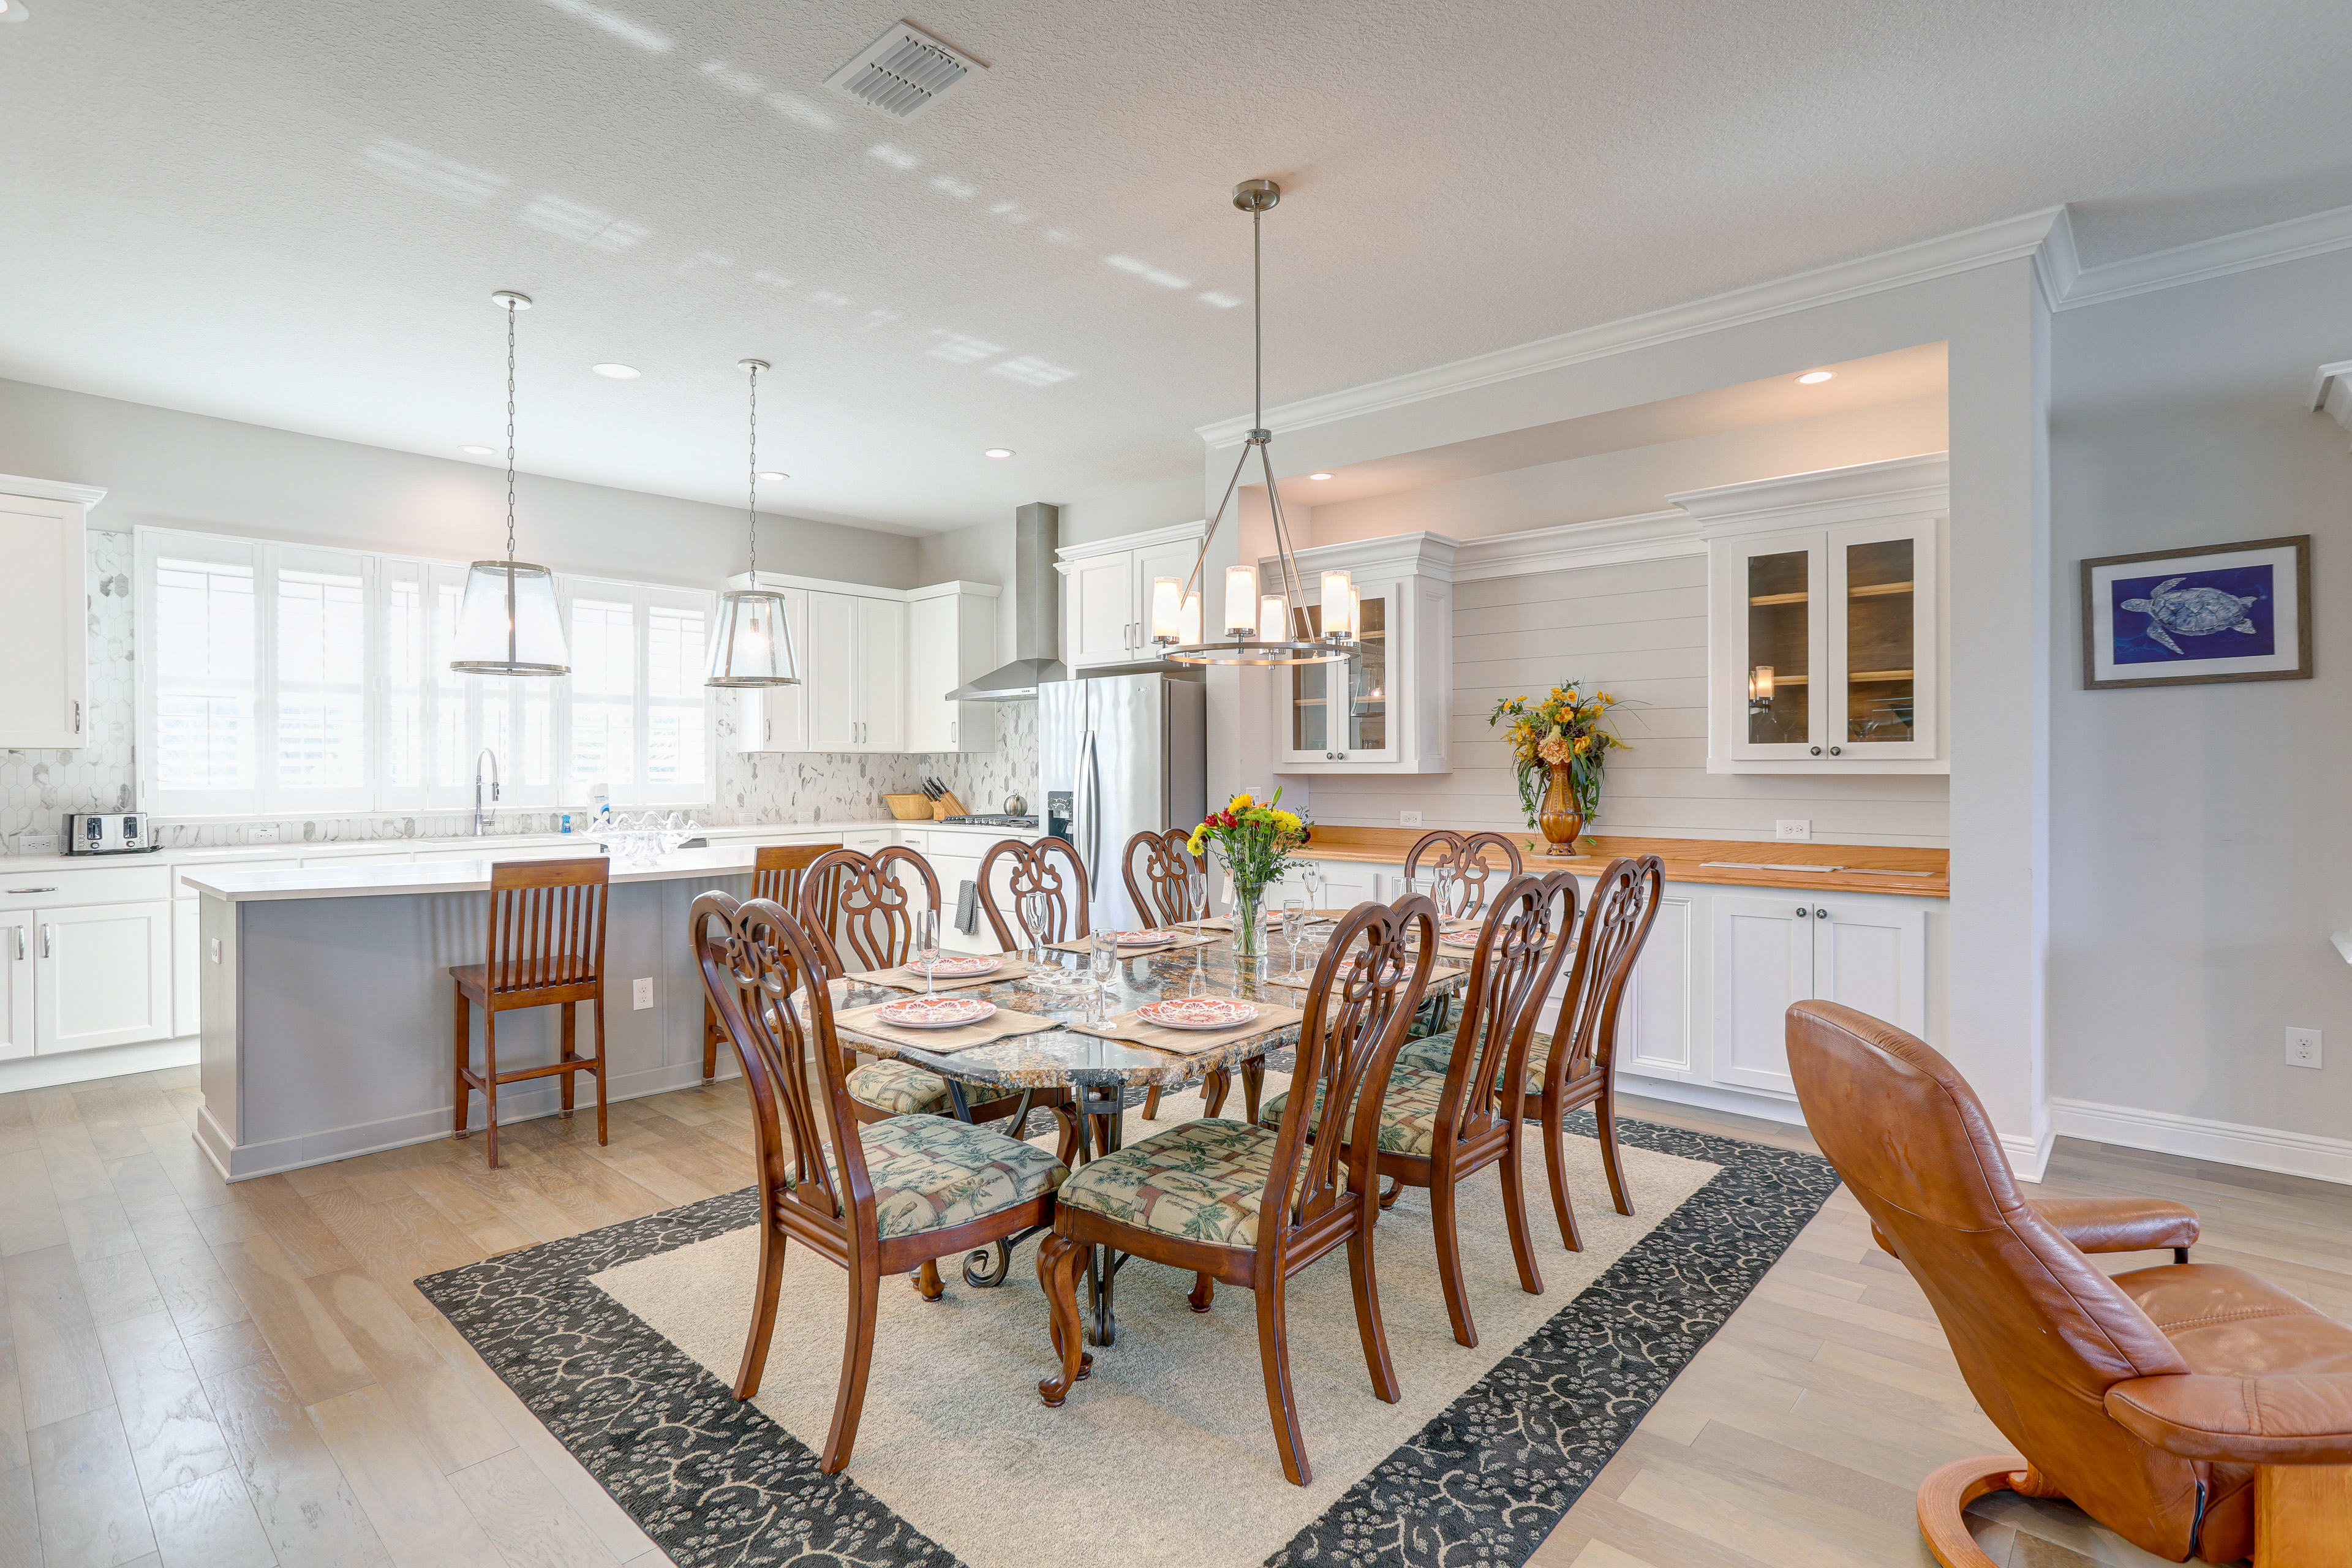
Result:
[{"x": 2195, "y": 1410}]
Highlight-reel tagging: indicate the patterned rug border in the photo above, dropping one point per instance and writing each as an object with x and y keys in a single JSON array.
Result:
[{"x": 714, "y": 1482}]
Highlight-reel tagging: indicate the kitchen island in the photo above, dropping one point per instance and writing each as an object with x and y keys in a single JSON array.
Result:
[{"x": 328, "y": 1007}]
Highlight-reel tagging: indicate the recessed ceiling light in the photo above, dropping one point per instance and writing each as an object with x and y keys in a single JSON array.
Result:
[
  {"x": 1318, "y": 475},
  {"x": 998, "y": 452},
  {"x": 775, "y": 477},
  {"x": 1815, "y": 377},
  {"x": 480, "y": 451},
  {"x": 14, "y": 11},
  {"x": 615, "y": 372}
]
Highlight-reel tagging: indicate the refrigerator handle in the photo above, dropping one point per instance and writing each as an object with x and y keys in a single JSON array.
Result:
[{"x": 1088, "y": 806}]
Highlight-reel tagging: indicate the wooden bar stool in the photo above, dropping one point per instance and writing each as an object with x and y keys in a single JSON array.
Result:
[
  {"x": 776, "y": 877},
  {"x": 546, "y": 949}
]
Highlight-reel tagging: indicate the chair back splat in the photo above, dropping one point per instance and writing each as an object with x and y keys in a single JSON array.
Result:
[
  {"x": 1155, "y": 866},
  {"x": 1358, "y": 1005},
  {"x": 1443, "y": 849},
  {"x": 547, "y": 926},
  {"x": 1616, "y": 926},
  {"x": 1530, "y": 929},
  {"x": 1051, "y": 867},
  {"x": 857, "y": 910}
]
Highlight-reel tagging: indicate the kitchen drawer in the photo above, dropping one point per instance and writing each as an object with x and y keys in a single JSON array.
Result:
[{"x": 107, "y": 885}]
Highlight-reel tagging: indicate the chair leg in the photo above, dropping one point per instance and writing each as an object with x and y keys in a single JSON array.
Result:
[
  {"x": 857, "y": 1360},
  {"x": 1253, "y": 1086},
  {"x": 928, "y": 1283},
  {"x": 1944, "y": 1497},
  {"x": 1604, "y": 1110},
  {"x": 1214, "y": 1085},
  {"x": 1203, "y": 1293},
  {"x": 1058, "y": 1261},
  {"x": 597, "y": 1006},
  {"x": 763, "y": 1311},
  {"x": 1281, "y": 1403},
  {"x": 709, "y": 1041},
  {"x": 1449, "y": 1257},
  {"x": 490, "y": 1079},
  {"x": 567, "y": 1045},
  {"x": 1556, "y": 1166},
  {"x": 1390, "y": 1193},
  {"x": 465, "y": 1093},
  {"x": 1066, "y": 1146},
  {"x": 1151, "y": 1103},
  {"x": 1369, "y": 1326},
  {"x": 1515, "y": 1211}
]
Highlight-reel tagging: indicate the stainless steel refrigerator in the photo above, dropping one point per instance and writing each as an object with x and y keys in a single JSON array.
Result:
[{"x": 1118, "y": 754}]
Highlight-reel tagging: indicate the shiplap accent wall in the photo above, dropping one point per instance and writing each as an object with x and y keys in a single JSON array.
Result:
[{"x": 1638, "y": 629}]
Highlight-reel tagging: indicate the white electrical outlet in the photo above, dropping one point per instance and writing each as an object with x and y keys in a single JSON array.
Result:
[
  {"x": 1798, "y": 828},
  {"x": 42, "y": 843},
  {"x": 641, "y": 992},
  {"x": 2302, "y": 1048},
  {"x": 261, "y": 832},
  {"x": 1408, "y": 819},
  {"x": 216, "y": 950}
]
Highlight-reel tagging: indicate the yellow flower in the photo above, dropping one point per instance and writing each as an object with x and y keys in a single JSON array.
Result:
[
  {"x": 1239, "y": 802},
  {"x": 1193, "y": 844}
]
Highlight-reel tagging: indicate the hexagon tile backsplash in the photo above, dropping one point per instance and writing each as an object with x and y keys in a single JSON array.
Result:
[{"x": 38, "y": 788}]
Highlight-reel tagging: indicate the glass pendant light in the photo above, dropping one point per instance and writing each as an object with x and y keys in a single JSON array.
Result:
[
  {"x": 752, "y": 645},
  {"x": 1258, "y": 627},
  {"x": 508, "y": 622}
]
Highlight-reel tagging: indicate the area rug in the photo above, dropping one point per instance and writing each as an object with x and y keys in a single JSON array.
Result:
[{"x": 623, "y": 1341}]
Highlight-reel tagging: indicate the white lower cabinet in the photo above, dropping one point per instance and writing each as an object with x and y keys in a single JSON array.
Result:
[
  {"x": 187, "y": 976},
  {"x": 1771, "y": 952},
  {"x": 101, "y": 976},
  {"x": 16, "y": 983}
]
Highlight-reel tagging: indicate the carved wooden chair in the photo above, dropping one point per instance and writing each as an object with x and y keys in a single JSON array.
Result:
[
  {"x": 545, "y": 949},
  {"x": 1462, "y": 858},
  {"x": 1154, "y": 865},
  {"x": 867, "y": 904},
  {"x": 1032, "y": 868},
  {"x": 1256, "y": 1207},
  {"x": 1438, "y": 1126},
  {"x": 776, "y": 877},
  {"x": 877, "y": 1198}
]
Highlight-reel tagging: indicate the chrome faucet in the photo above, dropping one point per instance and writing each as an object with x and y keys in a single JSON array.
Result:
[{"x": 481, "y": 817}]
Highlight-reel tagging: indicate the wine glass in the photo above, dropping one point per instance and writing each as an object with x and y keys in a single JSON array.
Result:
[
  {"x": 1106, "y": 958},
  {"x": 1318, "y": 883},
  {"x": 1035, "y": 911},
  {"x": 1294, "y": 927},
  {"x": 1196, "y": 888},
  {"x": 927, "y": 944},
  {"x": 1441, "y": 887}
]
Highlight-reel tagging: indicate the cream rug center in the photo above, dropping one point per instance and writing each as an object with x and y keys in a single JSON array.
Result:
[{"x": 1165, "y": 1457}]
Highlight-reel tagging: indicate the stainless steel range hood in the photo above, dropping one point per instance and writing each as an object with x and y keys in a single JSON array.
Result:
[{"x": 1036, "y": 614}]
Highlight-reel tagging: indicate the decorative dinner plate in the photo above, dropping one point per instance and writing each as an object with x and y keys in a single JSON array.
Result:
[
  {"x": 1459, "y": 939},
  {"x": 962, "y": 967},
  {"x": 1197, "y": 1013},
  {"x": 1144, "y": 939},
  {"x": 935, "y": 1012}
]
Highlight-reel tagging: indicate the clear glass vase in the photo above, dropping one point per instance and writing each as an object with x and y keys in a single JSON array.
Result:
[{"x": 1249, "y": 921}]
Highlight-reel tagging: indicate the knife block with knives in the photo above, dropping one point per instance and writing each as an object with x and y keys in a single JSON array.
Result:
[{"x": 944, "y": 803}]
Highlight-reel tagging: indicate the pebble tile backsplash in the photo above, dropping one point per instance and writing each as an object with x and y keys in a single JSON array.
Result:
[{"x": 38, "y": 788}]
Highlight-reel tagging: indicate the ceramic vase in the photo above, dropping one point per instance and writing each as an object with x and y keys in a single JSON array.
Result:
[{"x": 1561, "y": 819}]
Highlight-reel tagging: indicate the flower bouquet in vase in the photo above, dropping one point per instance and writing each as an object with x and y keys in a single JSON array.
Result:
[
  {"x": 1560, "y": 743},
  {"x": 1255, "y": 843}
]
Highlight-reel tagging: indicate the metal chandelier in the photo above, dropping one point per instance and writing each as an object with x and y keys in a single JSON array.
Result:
[
  {"x": 751, "y": 644},
  {"x": 1259, "y": 628},
  {"x": 508, "y": 621}
]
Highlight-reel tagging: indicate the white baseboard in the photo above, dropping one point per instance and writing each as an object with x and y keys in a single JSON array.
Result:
[
  {"x": 2028, "y": 1155},
  {"x": 265, "y": 1159},
  {"x": 2196, "y": 1138},
  {"x": 105, "y": 1061}
]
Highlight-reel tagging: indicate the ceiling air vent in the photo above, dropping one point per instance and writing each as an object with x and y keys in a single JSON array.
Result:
[{"x": 904, "y": 71}]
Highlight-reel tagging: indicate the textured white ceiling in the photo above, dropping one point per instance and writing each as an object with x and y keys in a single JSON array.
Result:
[{"x": 293, "y": 214}]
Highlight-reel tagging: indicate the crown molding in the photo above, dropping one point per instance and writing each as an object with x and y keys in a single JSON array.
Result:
[
  {"x": 1603, "y": 542},
  {"x": 1419, "y": 554},
  {"x": 1897, "y": 486},
  {"x": 2331, "y": 391},
  {"x": 2008, "y": 240},
  {"x": 51, "y": 489},
  {"x": 2071, "y": 286},
  {"x": 1177, "y": 533}
]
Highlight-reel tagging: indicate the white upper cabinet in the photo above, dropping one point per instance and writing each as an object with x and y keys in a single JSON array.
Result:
[
  {"x": 950, "y": 639},
  {"x": 776, "y": 718},
  {"x": 1107, "y": 591},
  {"x": 828, "y": 668},
  {"x": 881, "y": 683},
  {"x": 44, "y": 614},
  {"x": 1386, "y": 709},
  {"x": 1828, "y": 647}
]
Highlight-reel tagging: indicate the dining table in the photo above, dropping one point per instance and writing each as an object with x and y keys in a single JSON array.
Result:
[{"x": 1102, "y": 1075}]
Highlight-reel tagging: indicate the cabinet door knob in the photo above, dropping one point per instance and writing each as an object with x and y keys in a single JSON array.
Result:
[
  {"x": 1803, "y": 912},
  {"x": 1837, "y": 751},
  {"x": 1821, "y": 914},
  {"x": 1817, "y": 750}
]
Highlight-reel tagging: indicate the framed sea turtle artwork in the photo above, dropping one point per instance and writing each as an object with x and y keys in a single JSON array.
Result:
[{"x": 2181, "y": 617}]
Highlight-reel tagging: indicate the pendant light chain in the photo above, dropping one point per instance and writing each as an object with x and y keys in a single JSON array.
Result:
[
  {"x": 754, "y": 505},
  {"x": 511, "y": 431}
]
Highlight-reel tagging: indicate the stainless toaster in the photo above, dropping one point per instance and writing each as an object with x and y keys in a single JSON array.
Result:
[{"x": 106, "y": 833}]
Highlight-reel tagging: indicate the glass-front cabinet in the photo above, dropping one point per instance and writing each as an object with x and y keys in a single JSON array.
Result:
[
  {"x": 1384, "y": 709},
  {"x": 1828, "y": 639}
]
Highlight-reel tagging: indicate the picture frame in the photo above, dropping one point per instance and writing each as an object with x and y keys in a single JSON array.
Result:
[{"x": 2198, "y": 615}]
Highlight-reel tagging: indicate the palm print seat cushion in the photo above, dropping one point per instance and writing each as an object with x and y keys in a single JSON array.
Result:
[
  {"x": 934, "y": 1172},
  {"x": 1201, "y": 1179},
  {"x": 903, "y": 1089},
  {"x": 1408, "y": 1116},
  {"x": 1433, "y": 1053}
]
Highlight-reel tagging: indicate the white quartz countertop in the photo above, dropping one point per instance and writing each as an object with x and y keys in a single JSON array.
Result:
[
  {"x": 359, "y": 848},
  {"x": 362, "y": 880}
]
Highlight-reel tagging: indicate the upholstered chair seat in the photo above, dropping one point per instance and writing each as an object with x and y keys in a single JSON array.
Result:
[
  {"x": 1201, "y": 1179},
  {"x": 902, "y": 1089},
  {"x": 1408, "y": 1116},
  {"x": 932, "y": 1172}
]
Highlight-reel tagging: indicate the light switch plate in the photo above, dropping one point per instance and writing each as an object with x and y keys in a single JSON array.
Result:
[
  {"x": 1408, "y": 819},
  {"x": 217, "y": 941},
  {"x": 261, "y": 832},
  {"x": 641, "y": 992},
  {"x": 1797, "y": 829},
  {"x": 2302, "y": 1048}
]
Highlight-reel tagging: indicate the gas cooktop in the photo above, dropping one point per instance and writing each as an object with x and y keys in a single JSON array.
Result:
[{"x": 996, "y": 820}]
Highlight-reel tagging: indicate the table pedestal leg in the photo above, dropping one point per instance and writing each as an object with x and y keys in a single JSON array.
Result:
[{"x": 1100, "y": 1122}]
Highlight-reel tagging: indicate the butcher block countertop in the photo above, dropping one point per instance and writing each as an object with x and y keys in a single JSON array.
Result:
[{"x": 1842, "y": 867}]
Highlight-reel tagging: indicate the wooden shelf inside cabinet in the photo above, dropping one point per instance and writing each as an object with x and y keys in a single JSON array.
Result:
[
  {"x": 1876, "y": 590},
  {"x": 1879, "y": 675},
  {"x": 1797, "y": 599}
]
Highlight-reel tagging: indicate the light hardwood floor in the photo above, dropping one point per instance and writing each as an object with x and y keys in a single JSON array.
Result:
[{"x": 197, "y": 1374}]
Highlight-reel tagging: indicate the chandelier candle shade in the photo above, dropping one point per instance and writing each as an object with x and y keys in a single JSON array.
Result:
[
  {"x": 753, "y": 643},
  {"x": 1259, "y": 628},
  {"x": 508, "y": 622}
]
